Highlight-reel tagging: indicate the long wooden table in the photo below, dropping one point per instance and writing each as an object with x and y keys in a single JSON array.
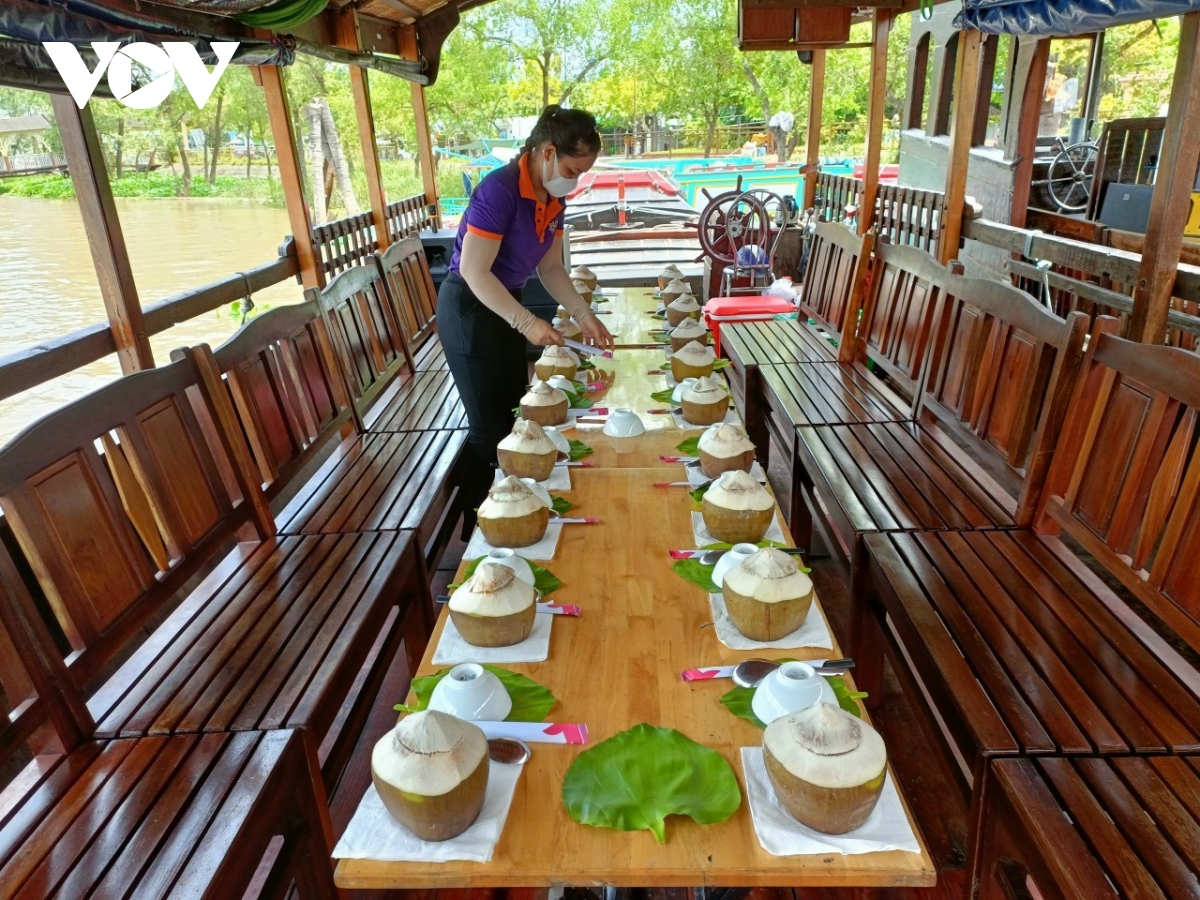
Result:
[{"x": 619, "y": 664}]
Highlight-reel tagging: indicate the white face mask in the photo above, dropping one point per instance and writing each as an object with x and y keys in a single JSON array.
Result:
[{"x": 556, "y": 185}]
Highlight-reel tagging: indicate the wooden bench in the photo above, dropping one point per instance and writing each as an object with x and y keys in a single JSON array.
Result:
[
  {"x": 153, "y": 817},
  {"x": 1023, "y": 648},
  {"x": 988, "y": 410},
  {"x": 120, "y": 499},
  {"x": 1093, "y": 829},
  {"x": 406, "y": 276}
]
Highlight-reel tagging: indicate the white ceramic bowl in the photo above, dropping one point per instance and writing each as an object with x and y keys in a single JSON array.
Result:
[
  {"x": 624, "y": 422},
  {"x": 563, "y": 383},
  {"x": 736, "y": 554},
  {"x": 502, "y": 556},
  {"x": 541, "y": 492},
  {"x": 558, "y": 439},
  {"x": 473, "y": 693},
  {"x": 677, "y": 394},
  {"x": 790, "y": 688}
]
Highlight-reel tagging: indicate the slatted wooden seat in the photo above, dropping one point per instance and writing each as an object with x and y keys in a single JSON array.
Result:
[
  {"x": 833, "y": 286},
  {"x": 989, "y": 407},
  {"x": 891, "y": 343},
  {"x": 152, "y": 817},
  {"x": 1023, "y": 648},
  {"x": 1093, "y": 829},
  {"x": 427, "y": 402},
  {"x": 274, "y": 636}
]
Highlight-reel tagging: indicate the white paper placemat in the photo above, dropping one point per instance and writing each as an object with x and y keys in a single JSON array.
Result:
[
  {"x": 703, "y": 538},
  {"x": 731, "y": 418},
  {"x": 696, "y": 477},
  {"x": 374, "y": 834},
  {"x": 453, "y": 650},
  {"x": 887, "y": 827},
  {"x": 542, "y": 550},
  {"x": 813, "y": 633},
  {"x": 559, "y": 480}
]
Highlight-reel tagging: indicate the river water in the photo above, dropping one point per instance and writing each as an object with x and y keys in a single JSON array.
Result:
[{"x": 48, "y": 284}]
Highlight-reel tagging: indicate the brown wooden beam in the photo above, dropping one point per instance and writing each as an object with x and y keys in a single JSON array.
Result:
[
  {"x": 1178, "y": 160},
  {"x": 348, "y": 37},
  {"x": 875, "y": 102},
  {"x": 410, "y": 50},
  {"x": 85, "y": 159},
  {"x": 962, "y": 128},
  {"x": 1030, "y": 84},
  {"x": 289, "y": 162},
  {"x": 812, "y": 149}
]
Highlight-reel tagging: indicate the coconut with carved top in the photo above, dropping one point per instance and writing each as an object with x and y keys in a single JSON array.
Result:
[
  {"x": 723, "y": 448},
  {"x": 705, "y": 401},
  {"x": 692, "y": 360},
  {"x": 527, "y": 452},
  {"x": 687, "y": 331},
  {"x": 737, "y": 509},
  {"x": 586, "y": 275},
  {"x": 670, "y": 273},
  {"x": 556, "y": 360},
  {"x": 493, "y": 608},
  {"x": 431, "y": 772},
  {"x": 675, "y": 288},
  {"x": 685, "y": 306},
  {"x": 827, "y": 767},
  {"x": 544, "y": 404},
  {"x": 583, "y": 289},
  {"x": 767, "y": 595},
  {"x": 513, "y": 515},
  {"x": 568, "y": 328}
]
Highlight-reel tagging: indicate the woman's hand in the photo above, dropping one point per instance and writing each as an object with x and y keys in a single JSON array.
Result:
[
  {"x": 596, "y": 334},
  {"x": 544, "y": 334}
]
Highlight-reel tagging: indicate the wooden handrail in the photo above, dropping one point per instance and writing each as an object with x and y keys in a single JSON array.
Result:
[{"x": 31, "y": 366}]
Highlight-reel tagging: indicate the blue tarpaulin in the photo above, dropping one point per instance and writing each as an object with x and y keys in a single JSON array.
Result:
[{"x": 1050, "y": 18}]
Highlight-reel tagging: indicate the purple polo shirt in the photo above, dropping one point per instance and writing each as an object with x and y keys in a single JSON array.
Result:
[{"x": 505, "y": 208}]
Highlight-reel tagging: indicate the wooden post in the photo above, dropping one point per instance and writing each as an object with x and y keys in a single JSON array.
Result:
[
  {"x": 1178, "y": 160},
  {"x": 288, "y": 159},
  {"x": 365, "y": 117},
  {"x": 962, "y": 128},
  {"x": 85, "y": 159},
  {"x": 812, "y": 149},
  {"x": 1029, "y": 83},
  {"x": 875, "y": 102},
  {"x": 409, "y": 50}
]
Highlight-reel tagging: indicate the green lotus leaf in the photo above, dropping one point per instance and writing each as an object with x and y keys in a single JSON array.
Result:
[
  {"x": 664, "y": 396},
  {"x": 637, "y": 778},
  {"x": 690, "y": 447},
  {"x": 561, "y": 505},
  {"x": 696, "y": 572},
  {"x": 578, "y": 451},
  {"x": 531, "y": 702}
]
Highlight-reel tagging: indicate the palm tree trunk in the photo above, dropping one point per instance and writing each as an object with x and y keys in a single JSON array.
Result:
[
  {"x": 341, "y": 167},
  {"x": 182, "y": 138},
  {"x": 316, "y": 159},
  {"x": 216, "y": 141}
]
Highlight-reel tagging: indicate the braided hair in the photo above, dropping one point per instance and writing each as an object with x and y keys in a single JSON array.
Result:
[{"x": 571, "y": 131}]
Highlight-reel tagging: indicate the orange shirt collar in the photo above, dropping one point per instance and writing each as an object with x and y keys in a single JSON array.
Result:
[{"x": 544, "y": 212}]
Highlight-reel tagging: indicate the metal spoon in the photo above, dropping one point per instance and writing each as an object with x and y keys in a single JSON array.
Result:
[
  {"x": 508, "y": 750},
  {"x": 749, "y": 673},
  {"x": 710, "y": 557}
]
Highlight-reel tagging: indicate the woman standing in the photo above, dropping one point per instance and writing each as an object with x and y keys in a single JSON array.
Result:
[{"x": 512, "y": 227}]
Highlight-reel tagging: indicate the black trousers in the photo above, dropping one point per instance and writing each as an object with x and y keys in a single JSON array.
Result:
[{"x": 487, "y": 361}]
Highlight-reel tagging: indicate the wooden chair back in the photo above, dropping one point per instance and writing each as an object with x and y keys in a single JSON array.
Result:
[
  {"x": 835, "y": 280},
  {"x": 897, "y": 316},
  {"x": 43, "y": 712},
  {"x": 998, "y": 379},
  {"x": 1125, "y": 482},
  {"x": 283, "y": 380},
  {"x": 367, "y": 336},
  {"x": 410, "y": 287},
  {"x": 117, "y": 499}
]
